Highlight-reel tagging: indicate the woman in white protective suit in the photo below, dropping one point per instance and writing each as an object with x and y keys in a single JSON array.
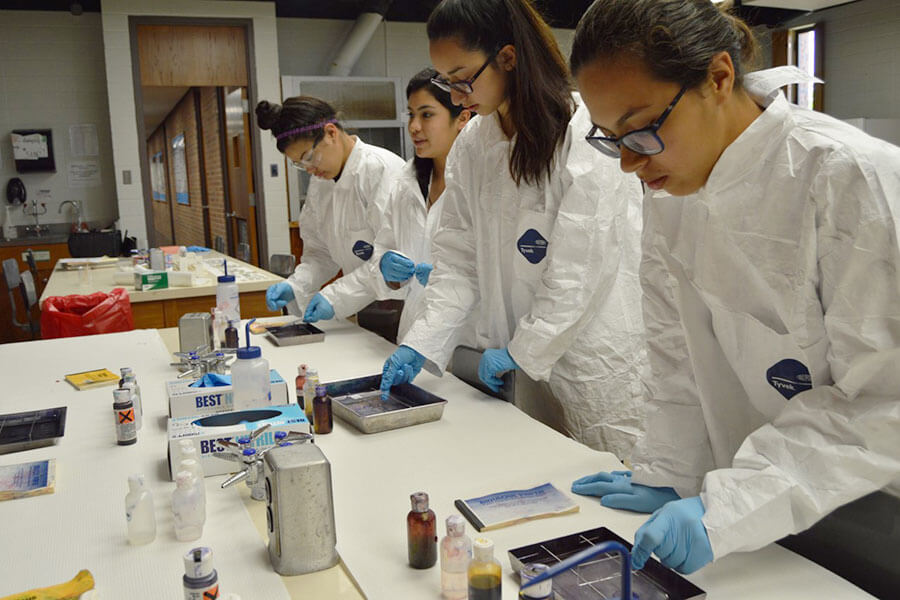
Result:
[
  {"x": 344, "y": 206},
  {"x": 771, "y": 287},
  {"x": 413, "y": 208},
  {"x": 538, "y": 231}
]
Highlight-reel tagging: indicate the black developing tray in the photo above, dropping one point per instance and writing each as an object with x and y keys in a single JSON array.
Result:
[
  {"x": 295, "y": 333},
  {"x": 358, "y": 402},
  {"x": 600, "y": 578},
  {"x": 32, "y": 429}
]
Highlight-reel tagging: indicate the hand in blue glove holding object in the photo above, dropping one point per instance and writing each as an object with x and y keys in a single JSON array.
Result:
[
  {"x": 676, "y": 534},
  {"x": 318, "y": 309},
  {"x": 278, "y": 295},
  {"x": 616, "y": 491},
  {"x": 396, "y": 267},
  {"x": 401, "y": 367},
  {"x": 494, "y": 362},
  {"x": 423, "y": 272}
]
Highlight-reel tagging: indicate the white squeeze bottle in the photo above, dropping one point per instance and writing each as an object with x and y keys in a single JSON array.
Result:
[
  {"x": 192, "y": 466},
  {"x": 250, "y": 377},
  {"x": 187, "y": 508},
  {"x": 456, "y": 553},
  {"x": 227, "y": 298},
  {"x": 139, "y": 512}
]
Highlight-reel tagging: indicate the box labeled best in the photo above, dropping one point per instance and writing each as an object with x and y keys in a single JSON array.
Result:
[{"x": 187, "y": 401}]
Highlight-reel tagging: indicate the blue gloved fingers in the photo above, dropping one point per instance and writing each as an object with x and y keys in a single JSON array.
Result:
[
  {"x": 319, "y": 308},
  {"x": 395, "y": 267},
  {"x": 624, "y": 502},
  {"x": 494, "y": 383},
  {"x": 603, "y": 483},
  {"x": 601, "y": 476},
  {"x": 622, "y": 473},
  {"x": 423, "y": 272},
  {"x": 676, "y": 534},
  {"x": 387, "y": 379},
  {"x": 278, "y": 295},
  {"x": 646, "y": 540},
  {"x": 272, "y": 302}
]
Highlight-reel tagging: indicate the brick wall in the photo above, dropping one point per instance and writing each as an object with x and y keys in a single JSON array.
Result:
[
  {"x": 212, "y": 156},
  {"x": 162, "y": 219},
  {"x": 188, "y": 218}
]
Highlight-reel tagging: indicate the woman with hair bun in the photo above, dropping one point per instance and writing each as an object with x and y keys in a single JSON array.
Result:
[
  {"x": 771, "y": 281},
  {"x": 344, "y": 207}
]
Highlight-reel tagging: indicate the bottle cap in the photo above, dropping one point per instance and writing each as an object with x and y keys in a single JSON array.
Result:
[
  {"x": 184, "y": 478},
  {"x": 188, "y": 464},
  {"x": 321, "y": 390},
  {"x": 244, "y": 439},
  {"x": 483, "y": 549},
  {"x": 125, "y": 371},
  {"x": 301, "y": 370},
  {"x": 249, "y": 352},
  {"x": 310, "y": 372},
  {"x": 540, "y": 590},
  {"x": 121, "y": 396},
  {"x": 280, "y": 435},
  {"x": 249, "y": 451},
  {"x": 456, "y": 525},
  {"x": 419, "y": 501},
  {"x": 198, "y": 563},
  {"x": 226, "y": 278},
  {"x": 187, "y": 446}
]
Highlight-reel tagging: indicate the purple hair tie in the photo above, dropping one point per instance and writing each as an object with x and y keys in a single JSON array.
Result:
[{"x": 291, "y": 132}]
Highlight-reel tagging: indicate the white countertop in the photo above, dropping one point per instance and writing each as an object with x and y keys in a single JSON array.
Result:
[
  {"x": 249, "y": 279},
  {"x": 480, "y": 446}
]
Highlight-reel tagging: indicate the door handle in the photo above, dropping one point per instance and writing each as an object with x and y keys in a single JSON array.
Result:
[{"x": 231, "y": 214}]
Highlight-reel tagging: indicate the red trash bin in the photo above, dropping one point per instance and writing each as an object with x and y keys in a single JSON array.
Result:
[{"x": 101, "y": 312}]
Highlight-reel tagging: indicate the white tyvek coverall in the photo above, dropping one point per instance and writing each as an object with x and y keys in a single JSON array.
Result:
[
  {"x": 338, "y": 225},
  {"x": 552, "y": 269},
  {"x": 772, "y": 307}
]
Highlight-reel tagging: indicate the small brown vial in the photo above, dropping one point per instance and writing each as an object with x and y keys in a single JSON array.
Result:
[
  {"x": 322, "y": 418},
  {"x": 421, "y": 531}
]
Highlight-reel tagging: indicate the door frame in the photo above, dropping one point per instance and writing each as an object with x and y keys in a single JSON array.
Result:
[{"x": 252, "y": 84}]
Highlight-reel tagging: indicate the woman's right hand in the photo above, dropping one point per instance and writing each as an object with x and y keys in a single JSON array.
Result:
[
  {"x": 396, "y": 267},
  {"x": 278, "y": 295}
]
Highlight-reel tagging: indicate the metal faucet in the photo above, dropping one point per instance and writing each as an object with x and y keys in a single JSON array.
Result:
[
  {"x": 76, "y": 204},
  {"x": 36, "y": 213}
]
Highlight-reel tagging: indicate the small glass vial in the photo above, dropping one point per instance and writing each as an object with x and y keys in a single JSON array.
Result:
[
  {"x": 484, "y": 572},
  {"x": 200, "y": 581},
  {"x": 456, "y": 553},
  {"x": 309, "y": 392},
  {"x": 299, "y": 383},
  {"x": 189, "y": 512},
  {"x": 421, "y": 532},
  {"x": 139, "y": 512},
  {"x": 123, "y": 409},
  {"x": 322, "y": 417},
  {"x": 540, "y": 591},
  {"x": 231, "y": 335}
]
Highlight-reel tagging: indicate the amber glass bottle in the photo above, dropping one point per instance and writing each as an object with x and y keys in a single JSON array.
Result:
[
  {"x": 421, "y": 531},
  {"x": 322, "y": 418}
]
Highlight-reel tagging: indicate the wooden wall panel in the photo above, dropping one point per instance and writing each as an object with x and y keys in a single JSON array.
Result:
[
  {"x": 188, "y": 218},
  {"x": 162, "y": 211},
  {"x": 192, "y": 55}
]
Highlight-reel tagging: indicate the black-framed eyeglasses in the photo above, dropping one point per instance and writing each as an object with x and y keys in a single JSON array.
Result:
[
  {"x": 643, "y": 141},
  {"x": 464, "y": 86}
]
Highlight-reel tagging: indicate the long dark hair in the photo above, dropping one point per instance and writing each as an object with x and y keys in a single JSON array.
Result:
[
  {"x": 675, "y": 39},
  {"x": 540, "y": 89},
  {"x": 299, "y": 112},
  {"x": 422, "y": 81}
]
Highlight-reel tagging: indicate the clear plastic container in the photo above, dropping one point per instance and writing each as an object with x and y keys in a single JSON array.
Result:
[
  {"x": 187, "y": 508},
  {"x": 456, "y": 553},
  {"x": 192, "y": 466},
  {"x": 139, "y": 512},
  {"x": 250, "y": 377},
  {"x": 485, "y": 575},
  {"x": 227, "y": 298}
]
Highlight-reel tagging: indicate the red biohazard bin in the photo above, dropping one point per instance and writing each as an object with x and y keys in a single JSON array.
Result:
[{"x": 101, "y": 312}]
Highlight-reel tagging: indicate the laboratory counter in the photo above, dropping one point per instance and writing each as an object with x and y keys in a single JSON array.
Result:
[
  {"x": 479, "y": 446},
  {"x": 161, "y": 308}
]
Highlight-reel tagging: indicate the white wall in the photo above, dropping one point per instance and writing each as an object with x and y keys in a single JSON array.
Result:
[
  {"x": 123, "y": 117},
  {"x": 862, "y": 58},
  {"x": 52, "y": 76}
]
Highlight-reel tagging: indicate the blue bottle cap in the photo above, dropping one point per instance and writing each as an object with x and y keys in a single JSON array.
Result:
[
  {"x": 249, "y": 352},
  {"x": 249, "y": 451},
  {"x": 244, "y": 439},
  {"x": 226, "y": 278},
  {"x": 280, "y": 435}
]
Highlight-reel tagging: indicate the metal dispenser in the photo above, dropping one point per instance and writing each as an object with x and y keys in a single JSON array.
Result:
[{"x": 299, "y": 509}]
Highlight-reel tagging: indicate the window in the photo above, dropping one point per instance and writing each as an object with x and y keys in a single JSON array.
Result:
[{"x": 804, "y": 50}]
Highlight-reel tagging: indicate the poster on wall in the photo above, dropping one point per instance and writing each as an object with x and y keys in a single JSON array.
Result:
[
  {"x": 179, "y": 167},
  {"x": 83, "y": 140},
  {"x": 158, "y": 177},
  {"x": 84, "y": 173}
]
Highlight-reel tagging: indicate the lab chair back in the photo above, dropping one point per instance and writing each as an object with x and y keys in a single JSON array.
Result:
[
  {"x": 23, "y": 285},
  {"x": 282, "y": 264}
]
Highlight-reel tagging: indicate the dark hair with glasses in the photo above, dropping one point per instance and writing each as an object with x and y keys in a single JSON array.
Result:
[
  {"x": 539, "y": 88},
  {"x": 674, "y": 39},
  {"x": 296, "y": 119},
  {"x": 423, "y": 81}
]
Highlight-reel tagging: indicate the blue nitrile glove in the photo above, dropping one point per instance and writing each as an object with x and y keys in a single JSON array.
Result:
[
  {"x": 212, "y": 380},
  {"x": 395, "y": 267},
  {"x": 318, "y": 309},
  {"x": 495, "y": 362},
  {"x": 423, "y": 271},
  {"x": 616, "y": 491},
  {"x": 401, "y": 367},
  {"x": 278, "y": 295},
  {"x": 675, "y": 533}
]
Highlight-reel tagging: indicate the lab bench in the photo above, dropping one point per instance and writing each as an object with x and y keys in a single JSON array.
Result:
[{"x": 480, "y": 445}]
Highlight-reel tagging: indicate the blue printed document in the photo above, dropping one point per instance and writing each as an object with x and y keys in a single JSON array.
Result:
[
  {"x": 27, "y": 479},
  {"x": 507, "y": 508}
]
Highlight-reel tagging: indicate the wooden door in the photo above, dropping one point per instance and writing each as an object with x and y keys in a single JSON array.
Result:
[{"x": 241, "y": 188}]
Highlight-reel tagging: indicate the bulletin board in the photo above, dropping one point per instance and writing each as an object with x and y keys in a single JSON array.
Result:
[
  {"x": 158, "y": 177},
  {"x": 179, "y": 168}
]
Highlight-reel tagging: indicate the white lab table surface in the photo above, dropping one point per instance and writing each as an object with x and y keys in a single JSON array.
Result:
[{"x": 480, "y": 445}]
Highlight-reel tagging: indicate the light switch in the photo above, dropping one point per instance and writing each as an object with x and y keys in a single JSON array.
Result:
[
  {"x": 273, "y": 170},
  {"x": 126, "y": 177}
]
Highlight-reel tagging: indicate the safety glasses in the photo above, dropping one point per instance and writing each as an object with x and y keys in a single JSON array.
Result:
[
  {"x": 309, "y": 160},
  {"x": 464, "y": 86},
  {"x": 645, "y": 141}
]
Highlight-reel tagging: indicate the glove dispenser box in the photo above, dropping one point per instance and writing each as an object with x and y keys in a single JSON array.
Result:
[{"x": 299, "y": 510}]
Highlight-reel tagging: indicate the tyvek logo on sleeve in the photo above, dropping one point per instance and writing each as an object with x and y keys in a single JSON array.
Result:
[
  {"x": 362, "y": 249},
  {"x": 789, "y": 377},
  {"x": 533, "y": 246}
]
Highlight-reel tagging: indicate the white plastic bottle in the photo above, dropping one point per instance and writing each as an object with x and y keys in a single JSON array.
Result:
[
  {"x": 139, "y": 512},
  {"x": 227, "y": 298},
  {"x": 187, "y": 508},
  {"x": 250, "y": 377},
  {"x": 456, "y": 553},
  {"x": 192, "y": 466},
  {"x": 309, "y": 393}
]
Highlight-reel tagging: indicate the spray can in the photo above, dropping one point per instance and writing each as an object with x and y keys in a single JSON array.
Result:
[
  {"x": 123, "y": 408},
  {"x": 201, "y": 582}
]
